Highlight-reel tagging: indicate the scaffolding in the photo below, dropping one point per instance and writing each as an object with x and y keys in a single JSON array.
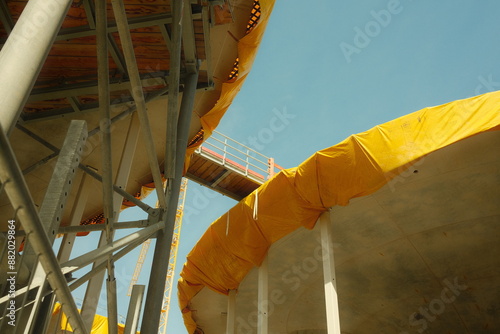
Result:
[
  {"x": 169, "y": 281},
  {"x": 53, "y": 177}
]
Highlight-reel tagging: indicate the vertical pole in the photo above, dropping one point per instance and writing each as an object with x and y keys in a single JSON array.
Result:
[
  {"x": 24, "y": 54},
  {"x": 247, "y": 162},
  {"x": 173, "y": 89},
  {"x": 75, "y": 218},
  {"x": 60, "y": 183},
  {"x": 5, "y": 17},
  {"x": 94, "y": 286},
  {"x": 134, "y": 309},
  {"x": 331, "y": 300},
  {"x": 263, "y": 298},
  {"x": 112, "y": 302},
  {"x": 52, "y": 208},
  {"x": 138, "y": 94},
  {"x": 270, "y": 167},
  {"x": 45, "y": 313},
  {"x": 20, "y": 198},
  {"x": 154, "y": 300},
  {"x": 107, "y": 170},
  {"x": 231, "y": 312},
  {"x": 105, "y": 114},
  {"x": 225, "y": 152}
]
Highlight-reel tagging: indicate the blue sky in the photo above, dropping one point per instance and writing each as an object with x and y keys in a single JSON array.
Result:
[{"x": 426, "y": 53}]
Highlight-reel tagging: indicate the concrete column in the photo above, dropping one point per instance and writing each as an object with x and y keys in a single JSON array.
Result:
[{"x": 331, "y": 300}]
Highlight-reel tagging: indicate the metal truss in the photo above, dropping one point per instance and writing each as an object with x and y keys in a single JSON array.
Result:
[{"x": 42, "y": 274}]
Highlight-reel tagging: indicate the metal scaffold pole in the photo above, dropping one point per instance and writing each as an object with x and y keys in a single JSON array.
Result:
[
  {"x": 24, "y": 53},
  {"x": 167, "y": 294},
  {"x": 153, "y": 305},
  {"x": 19, "y": 195}
]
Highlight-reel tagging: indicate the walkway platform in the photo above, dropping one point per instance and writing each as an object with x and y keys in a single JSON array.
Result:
[{"x": 229, "y": 167}]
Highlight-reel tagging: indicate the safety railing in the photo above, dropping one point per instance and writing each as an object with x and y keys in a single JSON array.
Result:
[{"x": 238, "y": 157}]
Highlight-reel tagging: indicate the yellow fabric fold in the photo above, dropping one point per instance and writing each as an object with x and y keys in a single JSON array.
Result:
[{"x": 99, "y": 326}]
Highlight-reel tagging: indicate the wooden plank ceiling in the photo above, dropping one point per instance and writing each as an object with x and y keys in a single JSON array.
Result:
[{"x": 72, "y": 62}]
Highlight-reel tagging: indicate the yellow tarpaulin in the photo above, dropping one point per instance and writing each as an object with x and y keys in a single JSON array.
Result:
[
  {"x": 358, "y": 166},
  {"x": 247, "y": 51},
  {"x": 99, "y": 326}
]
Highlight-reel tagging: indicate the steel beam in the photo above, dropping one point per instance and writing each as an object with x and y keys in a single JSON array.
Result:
[
  {"x": 60, "y": 184},
  {"x": 134, "y": 309},
  {"x": 166, "y": 36},
  {"x": 119, "y": 190},
  {"x": 38, "y": 138},
  {"x": 111, "y": 297},
  {"x": 131, "y": 109},
  {"x": 161, "y": 257},
  {"x": 88, "y": 108},
  {"x": 96, "y": 270},
  {"x": 95, "y": 284},
  {"x": 40, "y": 163},
  {"x": 44, "y": 314},
  {"x": 91, "y": 88},
  {"x": 208, "y": 45},
  {"x": 117, "y": 54},
  {"x": 101, "y": 227},
  {"x": 89, "y": 12},
  {"x": 217, "y": 188},
  {"x": 219, "y": 178},
  {"x": 134, "y": 23},
  {"x": 20, "y": 198},
  {"x": 331, "y": 300},
  {"x": 106, "y": 155},
  {"x": 62, "y": 179},
  {"x": 52, "y": 208},
  {"x": 24, "y": 54},
  {"x": 5, "y": 17},
  {"x": 75, "y": 218},
  {"x": 80, "y": 281},
  {"x": 173, "y": 92},
  {"x": 135, "y": 238},
  {"x": 137, "y": 93},
  {"x": 188, "y": 41},
  {"x": 105, "y": 114},
  {"x": 73, "y": 101}
]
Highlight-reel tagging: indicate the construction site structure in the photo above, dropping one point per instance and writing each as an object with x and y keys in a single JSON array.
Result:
[
  {"x": 167, "y": 293},
  {"x": 171, "y": 263},
  {"x": 138, "y": 265},
  {"x": 226, "y": 159},
  {"x": 97, "y": 101}
]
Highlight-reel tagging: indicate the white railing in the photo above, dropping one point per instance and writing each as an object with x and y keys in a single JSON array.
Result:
[{"x": 238, "y": 157}]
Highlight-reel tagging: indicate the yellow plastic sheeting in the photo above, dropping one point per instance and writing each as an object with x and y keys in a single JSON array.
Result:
[
  {"x": 99, "y": 326},
  {"x": 247, "y": 50},
  {"x": 296, "y": 197}
]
